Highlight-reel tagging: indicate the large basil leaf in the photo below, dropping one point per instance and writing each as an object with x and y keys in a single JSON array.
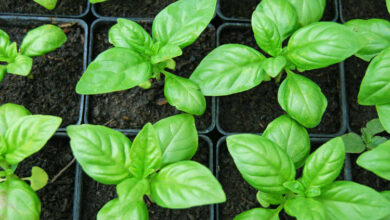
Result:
[
  {"x": 266, "y": 33},
  {"x": 375, "y": 87},
  {"x": 41, "y": 40},
  {"x": 21, "y": 65},
  {"x": 103, "y": 153},
  {"x": 113, "y": 70},
  {"x": 258, "y": 213},
  {"x": 48, "y": 4},
  {"x": 132, "y": 189},
  {"x": 145, "y": 153},
  {"x": 384, "y": 116},
  {"x": 386, "y": 194},
  {"x": 375, "y": 31},
  {"x": 309, "y": 11},
  {"x": 9, "y": 114},
  {"x": 185, "y": 184},
  {"x": 322, "y": 44},
  {"x": 178, "y": 138},
  {"x": 305, "y": 209},
  {"x": 18, "y": 201},
  {"x": 262, "y": 163},
  {"x": 117, "y": 209},
  {"x": 4, "y": 42},
  {"x": 302, "y": 99},
  {"x": 229, "y": 69},
  {"x": 324, "y": 165},
  {"x": 377, "y": 160},
  {"x": 28, "y": 135},
  {"x": 183, "y": 21},
  {"x": 129, "y": 34},
  {"x": 348, "y": 200},
  {"x": 291, "y": 137}
]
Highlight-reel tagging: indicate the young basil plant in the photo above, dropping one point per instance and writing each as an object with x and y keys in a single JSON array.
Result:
[
  {"x": 21, "y": 135},
  {"x": 137, "y": 58},
  {"x": 37, "y": 42},
  {"x": 157, "y": 165},
  {"x": 269, "y": 162},
  {"x": 234, "y": 68},
  {"x": 48, "y": 4}
]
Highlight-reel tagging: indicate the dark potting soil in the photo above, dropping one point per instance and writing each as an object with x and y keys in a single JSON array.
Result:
[
  {"x": 131, "y": 109},
  {"x": 63, "y": 7},
  {"x": 52, "y": 89},
  {"x": 251, "y": 111},
  {"x": 364, "y": 9},
  {"x": 56, "y": 197},
  {"x": 96, "y": 195},
  {"x": 243, "y": 9}
]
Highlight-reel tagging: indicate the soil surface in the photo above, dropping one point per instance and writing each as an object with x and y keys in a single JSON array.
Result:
[
  {"x": 63, "y": 7},
  {"x": 95, "y": 195},
  {"x": 364, "y": 9},
  {"x": 56, "y": 197},
  {"x": 52, "y": 89},
  {"x": 131, "y": 109},
  {"x": 251, "y": 111},
  {"x": 243, "y": 9}
]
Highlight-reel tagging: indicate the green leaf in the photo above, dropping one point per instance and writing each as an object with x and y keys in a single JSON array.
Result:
[
  {"x": 113, "y": 70},
  {"x": 324, "y": 165},
  {"x": 103, "y": 153},
  {"x": 348, "y": 200},
  {"x": 48, "y": 4},
  {"x": 388, "y": 5},
  {"x": 132, "y": 189},
  {"x": 186, "y": 184},
  {"x": 353, "y": 143},
  {"x": 386, "y": 194},
  {"x": 266, "y": 33},
  {"x": 377, "y": 160},
  {"x": 295, "y": 186},
  {"x": 305, "y": 209},
  {"x": 375, "y": 126},
  {"x": 229, "y": 69},
  {"x": 375, "y": 87},
  {"x": 28, "y": 135},
  {"x": 9, "y": 114},
  {"x": 291, "y": 137},
  {"x": 118, "y": 209},
  {"x": 184, "y": 94},
  {"x": 308, "y": 11},
  {"x": 4, "y": 42},
  {"x": 178, "y": 138},
  {"x": 145, "y": 153},
  {"x": 183, "y": 21},
  {"x": 273, "y": 66},
  {"x": 302, "y": 99},
  {"x": 265, "y": 199},
  {"x": 38, "y": 178},
  {"x": 384, "y": 116},
  {"x": 322, "y": 44},
  {"x": 42, "y": 40},
  {"x": 258, "y": 213},
  {"x": 21, "y": 66},
  {"x": 129, "y": 34},
  {"x": 375, "y": 31},
  {"x": 18, "y": 201},
  {"x": 11, "y": 52},
  {"x": 3, "y": 70},
  {"x": 262, "y": 163},
  {"x": 96, "y": 1},
  {"x": 166, "y": 53}
]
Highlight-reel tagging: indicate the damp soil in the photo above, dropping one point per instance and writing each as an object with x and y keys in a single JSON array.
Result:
[
  {"x": 95, "y": 195},
  {"x": 51, "y": 91},
  {"x": 63, "y": 7},
  {"x": 56, "y": 197},
  {"x": 243, "y": 9},
  {"x": 364, "y": 9},
  {"x": 253, "y": 110},
  {"x": 131, "y": 109}
]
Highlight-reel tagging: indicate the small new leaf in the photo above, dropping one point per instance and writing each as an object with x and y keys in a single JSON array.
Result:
[
  {"x": 377, "y": 160},
  {"x": 20, "y": 66},
  {"x": 353, "y": 143},
  {"x": 38, "y": 178},
  {"x": 48, "y": 4}
]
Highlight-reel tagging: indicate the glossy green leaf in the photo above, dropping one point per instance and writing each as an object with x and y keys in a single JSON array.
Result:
[
  {"x": 322, "y": 44},
  {"x": 183, "y": 21},
  {"x": 324, "y": 165},
  {"x": 145, "y": 153},
  {"x": 291, "y": 137},
  {"x": 4, "y": 42},
  {"x": 302, "y": 99},
  {"x": 273, "y": 66},
  {"x": 117, "y": 209},
  {"x": 377, "y": 160},
  {"x": 42, "y": 40},
  {"x": 266, "y": 33},
  {"x": 305, "y": 209},
  {"x": 20, "y": 66},
  {"x": 375, "y": 126},
  {"x": 28, "y": 135},
  {"x": 377, "y": 140},
  {"x": 9, "y": 114},
  {"x": 184, "y": 94},
  {"x": 113, "y": 70},
  {"x": 185, "y": 184},
  {"x": 48, "y": 4},
  {"x": 132, "y": 189},
  {"x": 38, "y": 178},
  {"x": 166, "y": 52},
  {"x": 262, "y": 163},
  {"x": 3, "y": 70},
  {"x": 308, "y": 11},
  {"x": 348, "y": 200},
  {"x": 375, "y": 87},
  {"x": 353, "y": 143},
  {"x": 266, "y": 199},
  {"x": 178, "y": 138},
  {"x": 103, "y": 153},
  {"x": 229, "y": 69},
  {"x": 295, "y": 186},
  {"x": 96, "y": 1},
  {"x": 386, "y": 194},
  {"x": 258, "y": 213},
  {"x": 384, "y": 116},
  {"x": 11, "y": 52}
]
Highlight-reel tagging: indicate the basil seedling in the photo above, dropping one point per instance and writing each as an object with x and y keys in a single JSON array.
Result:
[
  {"x": 137, "y": 57},
  {"x": 48, "y": 4},
  {"x": 21, "y": 135},
  {"x": 157, "y": 164},
  {"x": 37, "y": 42},
  {"x": 234, "y": 68},
  {"x": 269, "y": 162}
]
